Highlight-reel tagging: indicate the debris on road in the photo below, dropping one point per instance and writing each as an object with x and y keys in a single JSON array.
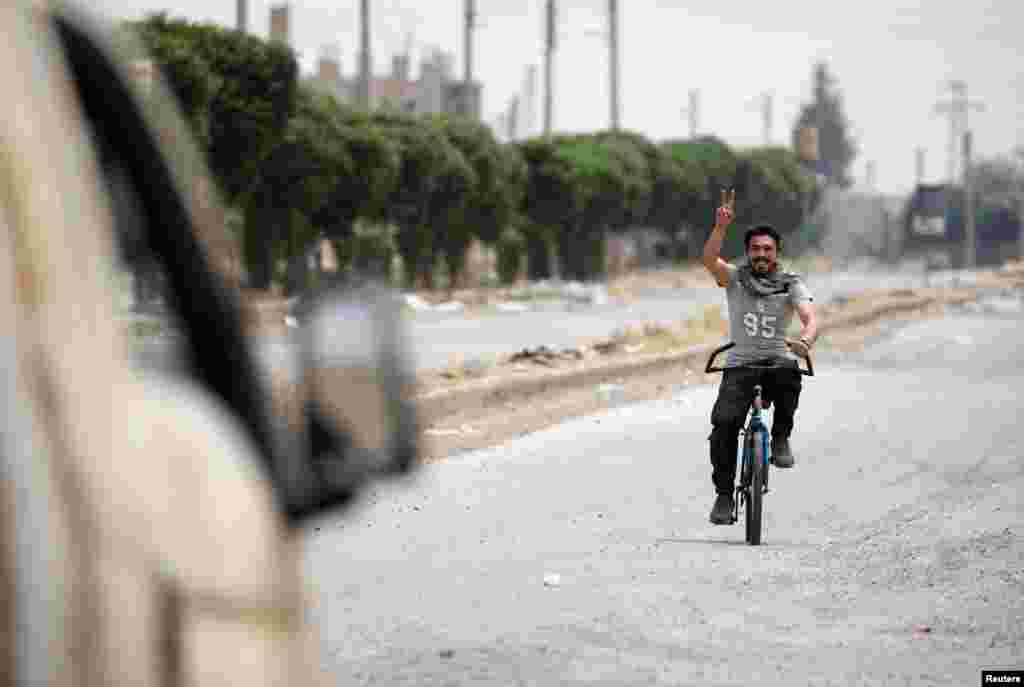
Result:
[
  {"x": 552, "y": 580},
  {"x": 607, "y": 347},
  {"x": 441, "y": 432},
  {"x": 543, "y": 355},
  {"x": 460, "y": 366},
  {"x": 464, "y": 429},
  {"x": 596, "y": 294},
  {"x": 922, "y": 630},
  {"x": 416, "y": 303}
]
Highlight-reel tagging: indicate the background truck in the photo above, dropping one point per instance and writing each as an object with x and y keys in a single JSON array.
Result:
[{"x": 933, "y": 228}]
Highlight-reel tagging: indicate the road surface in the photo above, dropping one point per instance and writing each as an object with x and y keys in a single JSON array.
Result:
[{"x": 893, "y": 551}]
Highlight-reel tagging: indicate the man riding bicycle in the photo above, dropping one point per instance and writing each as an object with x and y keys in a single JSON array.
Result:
[{"x": 761, "y": 300}]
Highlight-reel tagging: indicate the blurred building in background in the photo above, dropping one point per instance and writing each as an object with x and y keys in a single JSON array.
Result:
[
  {"x": 329, "y": 77},
  {"x": 436, "y": 89},
  {"x": 280, "y": 24},
  {"x": 436, "y": 71}
]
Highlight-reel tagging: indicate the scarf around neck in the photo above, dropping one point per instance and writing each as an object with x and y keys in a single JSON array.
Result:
[{"x": 759, "y": 285}]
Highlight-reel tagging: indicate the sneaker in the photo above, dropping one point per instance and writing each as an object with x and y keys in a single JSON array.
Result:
[
  {"x": 721, "y": 512},
  {"x": 782, "y": 456}
]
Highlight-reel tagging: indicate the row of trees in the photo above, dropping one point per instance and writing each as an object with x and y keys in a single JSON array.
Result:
[{"x": 299, "y": 165}]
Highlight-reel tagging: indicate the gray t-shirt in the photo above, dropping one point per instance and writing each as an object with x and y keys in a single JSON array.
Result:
[{"x": 758, "y": 324}]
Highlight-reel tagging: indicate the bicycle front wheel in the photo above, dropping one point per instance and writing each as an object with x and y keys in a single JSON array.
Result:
[{"x": 755, "y": 493}]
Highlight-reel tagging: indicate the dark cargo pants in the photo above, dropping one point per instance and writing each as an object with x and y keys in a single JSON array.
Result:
[{"x": 780, "y": 386}]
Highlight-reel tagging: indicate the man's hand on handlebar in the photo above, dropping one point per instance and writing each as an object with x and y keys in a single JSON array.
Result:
[
  {"x": 799, "y": 346},
  {"x": 795, "y": 345}
]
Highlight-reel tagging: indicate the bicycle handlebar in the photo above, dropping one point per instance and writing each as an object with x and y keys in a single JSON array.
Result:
[{"x": 809, "y": 372}]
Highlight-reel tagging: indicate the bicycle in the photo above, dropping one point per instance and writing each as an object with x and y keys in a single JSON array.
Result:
[{"x": 755, "y": 451}]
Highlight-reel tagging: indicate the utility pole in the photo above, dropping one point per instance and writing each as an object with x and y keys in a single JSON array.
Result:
[
  {"x": 691, "y": 111},
  {"x": 529, "y": 115},
  {"x": 549, "y": 50},
  {"x": 767, "y": 116},
  {"x": 970, "y": 242},
  {"x": 765, "y": 106},
  {"x": 919, "y": 166},
  {"x": 613, "y": 60},
  {"x": 364, "y": 55},
  {"x": 1019, "y": 198},
  {"x": 1020, "y": 218},
  {"x": 513, "y": 119},
  {"x": 500, "y": 128},
  {"x": 956, "y": 108},
  {"x": 467, "y": 87},
  {"x": 242, "y": 16}
]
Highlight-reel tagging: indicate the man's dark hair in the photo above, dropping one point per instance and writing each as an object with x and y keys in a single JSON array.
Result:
[{"x": 762, "y": 230}]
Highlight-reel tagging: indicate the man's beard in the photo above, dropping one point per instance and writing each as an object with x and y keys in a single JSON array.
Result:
[{"x": 762, "y": 266}]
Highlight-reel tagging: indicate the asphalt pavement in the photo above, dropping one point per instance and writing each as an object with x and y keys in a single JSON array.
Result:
[{"x": 582, "y": 554}]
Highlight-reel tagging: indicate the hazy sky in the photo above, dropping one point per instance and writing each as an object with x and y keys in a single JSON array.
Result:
[{"x": 891, "y": 60}]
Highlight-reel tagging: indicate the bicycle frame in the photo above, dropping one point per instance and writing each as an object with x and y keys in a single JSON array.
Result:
[
  {"x": 755, "y": 424},
  {"x": 747, "y": 495}
]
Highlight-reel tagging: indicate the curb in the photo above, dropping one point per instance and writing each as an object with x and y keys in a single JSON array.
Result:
[{"x": 438, "y": 404}]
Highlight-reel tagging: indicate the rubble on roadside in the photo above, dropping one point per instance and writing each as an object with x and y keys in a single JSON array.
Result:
[{"x": 543, "y": 355}]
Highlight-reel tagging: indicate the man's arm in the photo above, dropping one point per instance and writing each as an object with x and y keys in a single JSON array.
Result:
[
  {"x": 719, "y": 268},
  {"x": 808, "y": 331},
  {"x": 809, "y": 319}
]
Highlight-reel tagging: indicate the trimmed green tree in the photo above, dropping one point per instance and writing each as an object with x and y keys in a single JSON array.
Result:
[
  {"x": 551, "y": 203},
  {"x": 431, "y": 174}
]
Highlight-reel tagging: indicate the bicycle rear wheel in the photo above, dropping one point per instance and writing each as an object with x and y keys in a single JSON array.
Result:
[{"x": 755, "y": 491}]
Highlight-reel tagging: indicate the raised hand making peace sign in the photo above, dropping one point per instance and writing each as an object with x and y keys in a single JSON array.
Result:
[{"x": 726, "y": 212}]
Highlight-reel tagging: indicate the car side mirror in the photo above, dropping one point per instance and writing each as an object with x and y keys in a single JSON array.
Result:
[{"x": 356, "y": 383}]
